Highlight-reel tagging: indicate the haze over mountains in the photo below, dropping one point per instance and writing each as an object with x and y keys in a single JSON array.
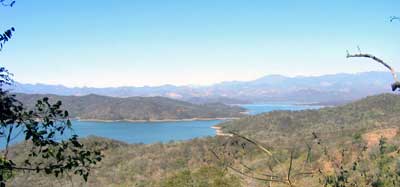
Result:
[{"x": 336, "y": 88}]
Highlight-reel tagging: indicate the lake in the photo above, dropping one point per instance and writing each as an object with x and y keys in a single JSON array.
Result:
[
  {"x": 152, "y": 132},
  {"x": 261, "y": 108}
]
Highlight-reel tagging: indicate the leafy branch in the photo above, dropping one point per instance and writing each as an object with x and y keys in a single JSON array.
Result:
[
  {"x": 41, "y": 127},
  {"x": 4, "y": 37},
  {"x": 7, "y": 3}
]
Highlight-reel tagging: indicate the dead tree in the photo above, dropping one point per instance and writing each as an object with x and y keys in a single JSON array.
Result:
[{"x": 396, "y": 83}]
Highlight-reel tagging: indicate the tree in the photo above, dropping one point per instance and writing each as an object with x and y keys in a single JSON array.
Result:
[
  {"x": 41, "y": 127},
  {"x": 396, "y": 83}
]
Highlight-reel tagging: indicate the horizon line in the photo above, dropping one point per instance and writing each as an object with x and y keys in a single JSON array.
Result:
[{"x": 199, "y": 85}]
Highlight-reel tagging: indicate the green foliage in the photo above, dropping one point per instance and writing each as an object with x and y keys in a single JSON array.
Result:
[
  {"x": 204, "y": 177},
  {"x": 294, "y": 127},
  {"x": 339, "y": 128},
  {"x": 5, "y": 77},
  {"x": 41, "y": 127},
  {"x": 174, "y": 162},
  {"x": 183, "y": 178},
  {"x": 379, "y": 169},
  {"x": 4, "y": 37},
  {"x": 357, "y": 137}
]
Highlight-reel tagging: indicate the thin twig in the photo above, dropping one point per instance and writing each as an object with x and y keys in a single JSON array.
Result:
[
  {"x": 252, "y": 170},
  {"x": 265, "y": 150},
  {"x": 8, "y": 140},
  {"x": 304, "y": 173},
  {"x": 247, "y": 175},
  {"x": 393, "y": 18},
  {"x": 258, "y": 178},
  {"x": 290, "y": 168}
]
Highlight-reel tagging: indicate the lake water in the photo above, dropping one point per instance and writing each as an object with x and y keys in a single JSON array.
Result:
[
  {"x": 146, "y": 132},
  {"x": 261, "y": 108},
  {"x": 151, "y": 132}
]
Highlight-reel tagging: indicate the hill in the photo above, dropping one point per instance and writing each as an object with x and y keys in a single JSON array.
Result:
[
  {"x": 368, "y": 113},
  {"x": 96, "y": 107},
  {"x": 344, "y": 131},
  {"x": 335, "y": 88}
]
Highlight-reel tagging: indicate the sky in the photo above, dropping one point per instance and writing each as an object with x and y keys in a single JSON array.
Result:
[{"x": 103, "y": 43}]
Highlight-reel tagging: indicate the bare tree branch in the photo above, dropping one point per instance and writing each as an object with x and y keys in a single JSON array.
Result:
[
  {"x": 258, "y": 178},
  {"x": 8, "y": 140},
  {"x": 252, "y": 174},
  {"x": 253, "y": 170},
  {"x": 396, "y": 84},
  {"x": 265, "y": 150},
  {"x": 290, "y": 168},
  {"x": 286, "y": 176},
  {"x": 393, "y": 18}
]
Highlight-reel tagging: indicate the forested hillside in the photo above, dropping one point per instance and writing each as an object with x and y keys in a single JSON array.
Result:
[
  {"x": 357, "y": 143},
  {"x": 369, "y": 113},
  {"x": 96, "y": 107}
]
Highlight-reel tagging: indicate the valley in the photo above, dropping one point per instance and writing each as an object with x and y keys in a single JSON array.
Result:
[{"x": 167, "y": 164}]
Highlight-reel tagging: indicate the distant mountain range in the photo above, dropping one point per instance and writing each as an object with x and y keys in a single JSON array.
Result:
[
  {"x": 96, "y": 107},
  {"x": 334, "y": 88}
]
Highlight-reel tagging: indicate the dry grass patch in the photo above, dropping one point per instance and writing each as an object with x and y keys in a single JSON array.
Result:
[{"x": 372, "y": 138}]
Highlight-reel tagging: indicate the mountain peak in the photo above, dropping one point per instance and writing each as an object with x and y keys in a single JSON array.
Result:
[
  {"x": 324, "y": 88},
  {"x": 268, "y": 79}
]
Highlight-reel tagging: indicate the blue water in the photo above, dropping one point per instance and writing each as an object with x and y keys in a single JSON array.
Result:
[
  {"x": 152, "y": 132},
  {"x": 261, "y": 108},
  {"x": 136, "y": 132},
  {"x": 146, "y": 132}
]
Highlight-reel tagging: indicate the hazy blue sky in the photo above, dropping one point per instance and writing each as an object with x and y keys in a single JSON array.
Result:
[{"x": 133, "y": 43}]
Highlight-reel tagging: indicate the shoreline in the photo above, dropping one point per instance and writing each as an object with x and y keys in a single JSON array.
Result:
[
  {"x": 156, "y": 120},
  {"x": 219, "y": 132}
]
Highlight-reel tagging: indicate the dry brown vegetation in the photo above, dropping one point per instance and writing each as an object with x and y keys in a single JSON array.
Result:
[
  {"x": 342, "y": 133},
  {"x": 372, "y": 138}
]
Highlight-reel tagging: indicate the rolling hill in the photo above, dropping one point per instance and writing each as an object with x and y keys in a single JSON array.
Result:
[
  {"x": 344, "y": 130},
  {"x": 96, "y": 107},
  {"x": 369, "y": 113}
]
